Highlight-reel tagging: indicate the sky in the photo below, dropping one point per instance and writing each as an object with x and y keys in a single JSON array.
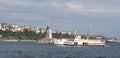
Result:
[{"x": 102, "y": 17}]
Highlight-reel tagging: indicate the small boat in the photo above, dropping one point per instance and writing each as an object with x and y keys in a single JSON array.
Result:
[
  {"x": 58, "y": 41},
  {"x": 63, "y": 42}
]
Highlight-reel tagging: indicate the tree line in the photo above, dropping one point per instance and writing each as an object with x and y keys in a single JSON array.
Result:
[{"x": 28, "y": 35}]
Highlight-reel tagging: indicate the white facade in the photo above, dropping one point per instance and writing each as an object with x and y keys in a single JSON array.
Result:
[
  {"x": 37, "y": 31},
  {"x": 48, "y": 32}
]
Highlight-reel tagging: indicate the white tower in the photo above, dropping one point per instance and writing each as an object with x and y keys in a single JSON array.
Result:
[
  {"x": 48, "y": 32},
  {"x": 75, "y": 32}
]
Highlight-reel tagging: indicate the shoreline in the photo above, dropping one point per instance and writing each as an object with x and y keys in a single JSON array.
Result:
[{"x": 19, "y": 40}]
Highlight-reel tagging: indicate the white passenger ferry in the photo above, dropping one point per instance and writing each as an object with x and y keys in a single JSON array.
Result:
[{"x": 78, "y": 41}]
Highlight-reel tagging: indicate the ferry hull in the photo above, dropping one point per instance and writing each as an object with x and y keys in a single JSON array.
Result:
[
  {"x": 80, "y": 42},
  {"x": 91, "y": 42}
]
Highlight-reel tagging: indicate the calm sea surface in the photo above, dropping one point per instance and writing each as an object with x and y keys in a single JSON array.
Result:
[{"x": 37, "y": 50}]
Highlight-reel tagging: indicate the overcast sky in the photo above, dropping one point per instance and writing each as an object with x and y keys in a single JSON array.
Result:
[{"x": 101, "y": 16}]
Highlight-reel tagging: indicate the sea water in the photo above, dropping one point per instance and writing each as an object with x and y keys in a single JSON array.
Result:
[{"x": 37, "y": 50}]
